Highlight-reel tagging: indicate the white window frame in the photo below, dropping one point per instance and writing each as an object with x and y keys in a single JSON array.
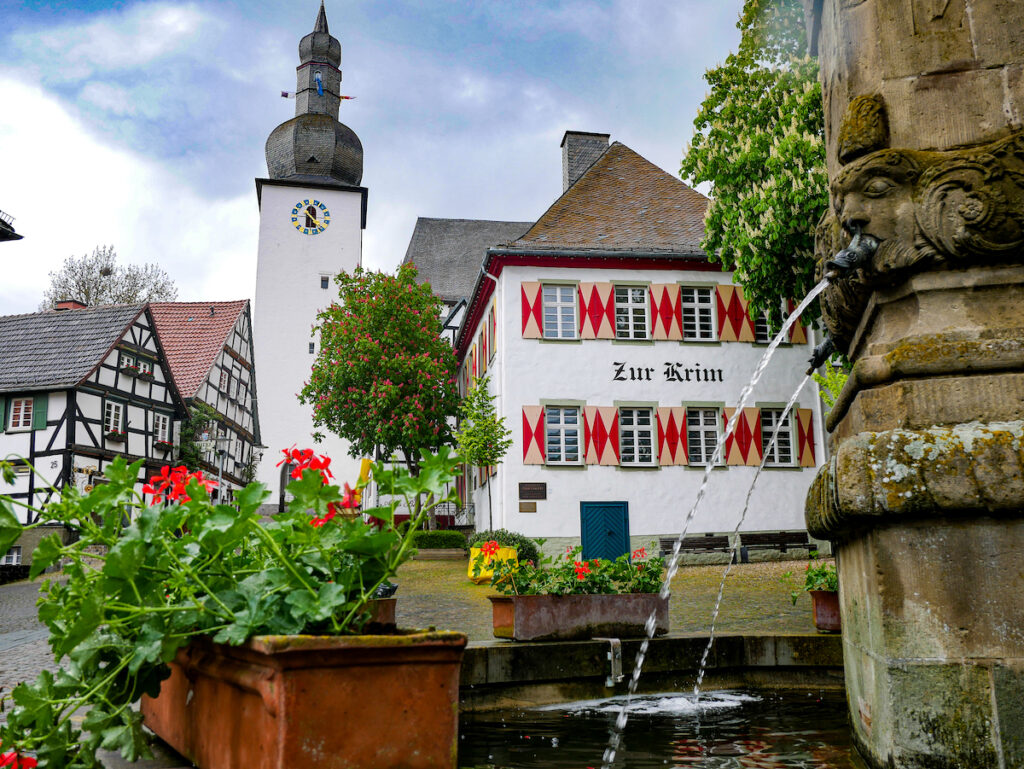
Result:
[
  {"x": 225, "y": 381},
  {"x": 161, "y": 427},
  {"x": 19, "y": 417},
  {"x": 781, "y": 454},
  {"x": 558, "y": 306},
  {"x": 635, "y": 316},
  {"x": 12, "y": 557},
  {"x": 110, "y": 422},
  {"x": 636, "y": 439},
  {"x": 145, "y": 366},
  {"x": 557, "y": 434},
  {"x": 702, "y": 438},
  {"x": 126, "y": 359},
  {"x": 762, "y": 329},
  {"x": 698, "y": 310}
]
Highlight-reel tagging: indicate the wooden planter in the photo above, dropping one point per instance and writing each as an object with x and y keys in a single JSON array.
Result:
[
  {"x": 577, "y": 617},
  {"x": 826, "y": 610},
  {"x": 346, "y": 702}
]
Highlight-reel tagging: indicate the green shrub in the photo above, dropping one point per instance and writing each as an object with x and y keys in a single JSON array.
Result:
[
  {"x": 437, "y": 540},
  {"x": 526, "y": 548}
]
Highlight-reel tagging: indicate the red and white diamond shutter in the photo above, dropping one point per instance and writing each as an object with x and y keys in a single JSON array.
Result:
[
  {"x": 533, "y": 435},
  {"x": 798, "y": 331},
  {"x": 597, "y": 310},
  {"x": 805, "y": 437},
  {"x": 494, "y": 329},
  {"x": 666, "y": 312},
  {"x": 600, "y": 435},
  {"x": 743, "y": 447},
  {"x": 672, "y": 448},
  {"x": 533, "y": 310},
  {"x": 734, "y": 323}
]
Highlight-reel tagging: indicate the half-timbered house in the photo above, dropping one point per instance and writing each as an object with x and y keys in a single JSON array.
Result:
[
  {"x": 78, "y": 387},
  {"x": 209, "y": 350}
]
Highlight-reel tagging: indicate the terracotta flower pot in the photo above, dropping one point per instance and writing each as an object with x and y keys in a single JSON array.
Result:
[
  {"x": 826, "y": 610},
  {"x": 502, "y": 554},
  {"x": 352, "y": 702},
  {"x": 576, "y": 617}
]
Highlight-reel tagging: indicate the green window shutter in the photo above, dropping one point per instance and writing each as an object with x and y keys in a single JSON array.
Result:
[
  {"x": 39, "y": 404},
  {"x": 3, "y": 413}
]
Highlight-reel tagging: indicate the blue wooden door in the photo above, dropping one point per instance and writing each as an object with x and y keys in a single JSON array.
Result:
[{"x": 604, "y": 529}]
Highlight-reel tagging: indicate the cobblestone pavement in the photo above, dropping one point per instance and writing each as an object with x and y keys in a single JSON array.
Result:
[{"x": 23, "y": 647}]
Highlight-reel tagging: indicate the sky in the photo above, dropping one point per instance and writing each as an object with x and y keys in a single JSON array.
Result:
[{"x": 142, "y": 124}]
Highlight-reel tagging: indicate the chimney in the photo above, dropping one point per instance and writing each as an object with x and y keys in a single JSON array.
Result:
[
  {"x": 579, "y": 152},
  {"x": 69, "y": 304}
]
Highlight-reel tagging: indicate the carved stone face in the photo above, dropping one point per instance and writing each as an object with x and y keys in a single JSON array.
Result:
[{"x": 925, "y": 209}]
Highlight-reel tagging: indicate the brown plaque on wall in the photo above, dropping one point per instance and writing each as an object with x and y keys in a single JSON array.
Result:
[
  {"x": 527, "y": 507},
  {"x": 533, "y": 491}
]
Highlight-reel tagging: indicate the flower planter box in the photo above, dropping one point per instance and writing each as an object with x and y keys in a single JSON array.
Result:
[
  {"x": 352, "y": 702},
  {"x": 826, "y": 610},
  {"x": 116, "y": 437},
  {"x": 502, "y": 554},
  {"x": 577, "y": 617}
]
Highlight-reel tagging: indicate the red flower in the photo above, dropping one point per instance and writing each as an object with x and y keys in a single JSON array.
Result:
[
  {"x": 489, "y": 548},
  {"x": 306, "y": 459},
  {"x": 582, "y": 569},
  {"x": 170, "y": 484},
  {"x": 14, "y": 761},
  {"x": 639, "y": 553}
]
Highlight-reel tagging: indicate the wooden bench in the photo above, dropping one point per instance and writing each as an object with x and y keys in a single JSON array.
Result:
[
  {"x": 708, "y": 543},
  {"x": 774, "y": 540}
]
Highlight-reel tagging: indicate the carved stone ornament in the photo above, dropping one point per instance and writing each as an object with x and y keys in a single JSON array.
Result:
[{"x": 927, "y": 210}]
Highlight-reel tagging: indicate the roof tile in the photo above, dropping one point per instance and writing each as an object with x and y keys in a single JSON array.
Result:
[{"x": 192, "y": 335}]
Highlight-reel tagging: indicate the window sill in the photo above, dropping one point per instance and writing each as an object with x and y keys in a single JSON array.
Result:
[
  {"x": 567, "y": 466},
  {"x": 576, "y": 340},
  {"x": 701, "y": 341},
  {"x": 651, "y": 466},
  {"x": 19, "y": 429},
  {"x": 649, "y": 342}
]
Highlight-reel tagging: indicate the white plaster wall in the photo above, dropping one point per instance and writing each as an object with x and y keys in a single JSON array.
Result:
[
  {"x": 288, "y": 297},
  {"x": 21, "y": 443},
  {"x": 529, "y": 371}
]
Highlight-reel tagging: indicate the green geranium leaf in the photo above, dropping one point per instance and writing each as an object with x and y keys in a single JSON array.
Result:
[
  {"x": 124, "y": 559},
  {"x": 10, "y": 529},
  {"x": 47, "y": 553}
]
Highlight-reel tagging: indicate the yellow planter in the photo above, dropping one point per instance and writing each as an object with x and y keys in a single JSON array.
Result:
[{"x": 503, "y": 554}]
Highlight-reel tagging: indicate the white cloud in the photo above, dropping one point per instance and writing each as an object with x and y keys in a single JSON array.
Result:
[
  {"x": 123, "y": 40},
  {"x": 69, "y": 193}
]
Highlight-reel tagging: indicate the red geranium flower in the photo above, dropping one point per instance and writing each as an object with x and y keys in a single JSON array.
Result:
[
  {"x": 489, "y": 548},
  {"x": 639, "y": 553},
  {"x": 170, "y": 484},
  {"x": 582, "y": 569},
  {"x": 307, "y": 459},
  {"x": 13, "y": 761}
]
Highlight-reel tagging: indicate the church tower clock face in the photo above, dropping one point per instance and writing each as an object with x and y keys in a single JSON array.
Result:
[{"x": 310, "y": 217}]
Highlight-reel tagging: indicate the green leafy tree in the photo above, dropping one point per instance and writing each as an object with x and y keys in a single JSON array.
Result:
[
  {"x": 482, "y": 438},
  {"x": 831, "y": 384},
  {"x": 201, "y": 419},
  {"x": 760, "y": 144},
  {"x": 384, "y": 378},
  {"x": 96, "y": 279}
]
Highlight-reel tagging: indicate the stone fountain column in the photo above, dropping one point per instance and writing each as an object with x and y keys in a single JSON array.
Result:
[{"x": 924, "y": 494}]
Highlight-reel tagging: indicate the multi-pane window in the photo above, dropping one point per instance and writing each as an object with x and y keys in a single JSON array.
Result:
[
  {"x": 630, "y": 312},
  {"x": 21, "y": 414},
  {"x": 161, "y": 427},
  {"x": 124, "y": 359},
  {"x": 12, "y": 557},
  {"x": 698, "y": 314},
  {"x": 781, "y": 453},
  {"x": 324, "y": 281},
  {"x": 636, "y": 436},
  {"x": 225, "y": 381},
  {"x": 559, "y": 312},
  {"x": 562, "y": 430},
  {"x": 762, "y": 331},
  {"x": 145, "y": 366},
  {"x": 113, "y": 417},
  {"x": 702, "y": 427}
]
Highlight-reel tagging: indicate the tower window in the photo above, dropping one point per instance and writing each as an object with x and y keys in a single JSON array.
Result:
[
  {"x": 324, "y": 281},
  {"x": 310, "y": 216},
  {"x": 312, "y": 348}
]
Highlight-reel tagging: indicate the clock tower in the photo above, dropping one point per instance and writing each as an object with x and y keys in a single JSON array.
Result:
[{"x": 312, "y": 215}]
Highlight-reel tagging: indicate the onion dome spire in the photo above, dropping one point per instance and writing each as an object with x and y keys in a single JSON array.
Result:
[{"x": 314, "y": 143}]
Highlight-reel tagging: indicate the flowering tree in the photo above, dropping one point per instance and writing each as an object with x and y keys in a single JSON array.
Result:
[
  {"x": 97, "y": 278},
  {"x": 760, "y": 143},
  {"x": 384, "y": 378},
  {"x": 482, "y": 436}
]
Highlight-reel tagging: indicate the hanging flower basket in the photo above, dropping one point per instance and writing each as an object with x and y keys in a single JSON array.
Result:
[
  {"x": 116, "y": 436},
  {"x": 164, "y": 446},
  {"x": 130, "y": 370},
  {"x": 146, "y": 376}
]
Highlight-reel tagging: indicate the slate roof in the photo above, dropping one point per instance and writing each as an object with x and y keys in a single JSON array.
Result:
[
  {"x": 622, "y": 203},
  {"x": 192, "y": 337},
  {"x": 448, "y": 252},
  {"x": 53, "y": 349}
]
